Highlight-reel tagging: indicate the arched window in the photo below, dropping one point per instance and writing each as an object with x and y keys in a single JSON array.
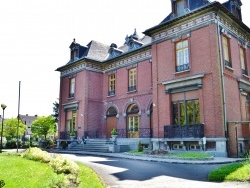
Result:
[
  {"x": 133, "y": 121},
  {"x": 111, "y": 112}
]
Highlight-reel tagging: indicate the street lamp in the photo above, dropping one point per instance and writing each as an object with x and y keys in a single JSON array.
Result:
[{"x": 3, "y": 106}]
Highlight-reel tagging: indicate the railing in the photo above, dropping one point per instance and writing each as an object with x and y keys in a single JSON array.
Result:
[
  {"x": 91, "y": 134},
  {"x": 66, "y": 134},
  {"x": 71, "y": 95},
  {"x": 141, "y": 133},
  {"x": 244, "y": 72},
  {"x": 228, "y": 64},
  {"x": 184, "y": 131},
  {"x": 111, "y": 93},
  {"x": 182, "y": 67},
  {"x": 132, "y": 88}
]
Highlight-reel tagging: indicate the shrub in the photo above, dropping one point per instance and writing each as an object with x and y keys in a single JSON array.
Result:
[
  {"x": 37, "y": 154},
  {"x": 12, "y": 143},
  {"x": 140, "y": 147}
]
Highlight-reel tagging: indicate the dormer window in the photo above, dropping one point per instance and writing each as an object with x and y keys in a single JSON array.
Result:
[
  {"x": 179, "y": 7},
  {"x": 131, "y": 45},
  {"x": 74, "y": 54}
]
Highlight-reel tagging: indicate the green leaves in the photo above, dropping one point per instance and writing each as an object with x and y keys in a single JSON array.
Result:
[{"x": 42, "y": 126}]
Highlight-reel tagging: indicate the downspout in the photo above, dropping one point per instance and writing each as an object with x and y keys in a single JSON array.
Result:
[{"x": 222, "y": 80}]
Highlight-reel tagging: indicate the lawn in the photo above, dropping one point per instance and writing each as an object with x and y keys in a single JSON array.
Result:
[
  {"x": 185, "y": 155},
  {"x": 232, "y": 172},
  {"x": 17, "y": 172}
]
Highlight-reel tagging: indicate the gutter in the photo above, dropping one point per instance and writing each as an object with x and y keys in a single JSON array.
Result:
[{"x": 222, "y": 80}]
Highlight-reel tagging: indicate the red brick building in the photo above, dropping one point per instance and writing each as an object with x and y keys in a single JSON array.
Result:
[{"x": 183, "y": 86}]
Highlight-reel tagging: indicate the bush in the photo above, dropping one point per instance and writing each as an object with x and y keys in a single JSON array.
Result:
[
  {"x": 37, "y": 154},
  {"x": 140, "y": 147},
  {"x": 12, "y": 143}
]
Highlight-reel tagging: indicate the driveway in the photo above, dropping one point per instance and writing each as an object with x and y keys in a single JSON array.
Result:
[{"x": 126, "y": 173}]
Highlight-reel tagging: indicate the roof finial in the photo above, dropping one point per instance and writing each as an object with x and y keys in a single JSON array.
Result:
[{"x": 74, "y": 40}]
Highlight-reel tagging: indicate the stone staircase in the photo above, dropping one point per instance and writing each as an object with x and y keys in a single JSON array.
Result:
[{"x": 92, "y": 145}]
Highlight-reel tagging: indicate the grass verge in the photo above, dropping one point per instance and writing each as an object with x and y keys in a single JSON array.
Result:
[
  {"x": 17, "y": 171},
  {"x": 186, "y": 155},
  {"x": 233, "y": 172}
]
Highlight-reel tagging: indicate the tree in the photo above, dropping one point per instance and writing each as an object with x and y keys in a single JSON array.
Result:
[
  {"x": 42, "y": 126},
  {"x": 10, "y": 127},
  {"x": 56, "y": 111}
]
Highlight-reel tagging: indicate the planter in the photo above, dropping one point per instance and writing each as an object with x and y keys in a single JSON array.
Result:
[
  {"x": 113, "y": 138},
  {"x": 72, "y": 138}
]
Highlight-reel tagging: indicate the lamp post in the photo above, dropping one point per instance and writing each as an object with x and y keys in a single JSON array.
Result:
[{"x": 3, "y": 106}]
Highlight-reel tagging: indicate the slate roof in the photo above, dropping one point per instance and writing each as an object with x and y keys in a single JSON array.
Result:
[{"x": 193, "y": 5}]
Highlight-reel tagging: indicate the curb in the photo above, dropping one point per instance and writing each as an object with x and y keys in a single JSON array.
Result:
[{"x": 219, "y": 160}]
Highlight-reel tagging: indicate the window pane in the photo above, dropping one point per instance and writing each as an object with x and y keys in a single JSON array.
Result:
[
  {"x": 182, "y": 113},
  {"x": 175, "y": 114},
  {"x": 197, "y": 111},
  {"x": 190, "y": 113}
]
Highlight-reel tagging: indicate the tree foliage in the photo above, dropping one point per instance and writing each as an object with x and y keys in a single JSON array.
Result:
[
  {"x": 42, "y": 126},
  {"x": 10, "y": 127},
  {"x": 56, "y": 111}
]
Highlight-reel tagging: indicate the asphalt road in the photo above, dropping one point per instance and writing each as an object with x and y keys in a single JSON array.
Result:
[{"x": 124, "y": 173}]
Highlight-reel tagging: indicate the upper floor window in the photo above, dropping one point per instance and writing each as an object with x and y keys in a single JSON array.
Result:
[
  {"x": 243, "y": 61},
  {"x": 226, "y": 49},
  {"x": 186, "y": 112},
  {"x": 182, "y": 56},
  {"x": 132, "y": 79},
  {"x": 72, "y": 88},
  {"x": 111, "y": 85},
  {"x": 74, "y": 54}
]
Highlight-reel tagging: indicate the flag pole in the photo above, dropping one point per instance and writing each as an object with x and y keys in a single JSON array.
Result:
[{"x": 18, "y": 116}]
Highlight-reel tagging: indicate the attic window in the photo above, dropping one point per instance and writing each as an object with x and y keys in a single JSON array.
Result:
[
  {"x": 179, "y": 7},
  {"x": 131, "y": 45},
  {"x": 236, "y": 11},
  {"x": 74, "y": 54}
]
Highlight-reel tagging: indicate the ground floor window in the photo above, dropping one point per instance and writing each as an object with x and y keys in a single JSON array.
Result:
[
  {"x": 133, "y": 121},
  {"x": 71, "y": 121},
  {"x": 186, "y": 112}
]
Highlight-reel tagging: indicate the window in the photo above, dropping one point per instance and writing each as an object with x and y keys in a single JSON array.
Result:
[
  {"x": 132, "y": 80},
  {"x": 71, "y": 121},
  {"x": 186, "y": 112},
  {"x": 243, "y": 61},
  {"x": 179, "y": 7},
  {"x": 226, "y": 47},
  {"x": 182, "y": 56},
  {"x": 73, "y": 54},
  {"x": 72, "y": 88},
  {"x": 133, "y": 121},
  {"x": 111, "y": 85}
]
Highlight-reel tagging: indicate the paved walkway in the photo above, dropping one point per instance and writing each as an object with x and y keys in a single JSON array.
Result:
[{"x": 215, "y": 160}]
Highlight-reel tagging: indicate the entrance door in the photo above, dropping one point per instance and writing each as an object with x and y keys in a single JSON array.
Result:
[{"x": 111, "y": 124}]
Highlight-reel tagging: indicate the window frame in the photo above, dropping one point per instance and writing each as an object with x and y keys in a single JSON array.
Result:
[
  {"x": 226, "y": 51},
  {"x": 72, "y": 87},
  {"x": 243, "y": 60},
  {"x": 132, "y": 79},
  {"x": 112, "y": 84},
  {"x": 182, "y": 56},
  {"x": 182, "y": 115},
  {"x": 71, "y": 121}
]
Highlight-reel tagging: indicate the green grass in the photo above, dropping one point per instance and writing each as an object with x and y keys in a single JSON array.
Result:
[
  {"x": 185, "y": 155},
  {"x": 88, "y": 178},
  {"x": 192, "y": 155},
  {"x": 18, "y": 172},
  {"x": 232, "y": 172}
]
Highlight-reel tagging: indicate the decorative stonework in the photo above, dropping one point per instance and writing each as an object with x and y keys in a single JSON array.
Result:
[{"x": 186, "y": 26}]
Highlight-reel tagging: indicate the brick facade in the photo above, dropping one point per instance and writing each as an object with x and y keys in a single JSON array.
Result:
[{"x": 221, "y": 91}]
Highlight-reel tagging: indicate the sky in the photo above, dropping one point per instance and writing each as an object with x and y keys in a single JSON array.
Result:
[{"x": 35, "y": 36}]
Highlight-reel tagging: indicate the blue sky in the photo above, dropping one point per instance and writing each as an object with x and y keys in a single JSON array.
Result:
[{"x": 35, "y": 36}]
